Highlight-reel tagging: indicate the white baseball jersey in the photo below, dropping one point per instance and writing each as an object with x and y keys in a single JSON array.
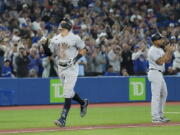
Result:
[
  {"x": 64, "y": 49},
  {"x": 154, "y": 54},
  {"x": 158, "y": 84}
]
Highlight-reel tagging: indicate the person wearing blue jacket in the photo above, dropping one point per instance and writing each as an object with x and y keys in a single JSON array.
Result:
[
  {"x": 6, "y": 69},
  {"x": 139, "y": 58}
]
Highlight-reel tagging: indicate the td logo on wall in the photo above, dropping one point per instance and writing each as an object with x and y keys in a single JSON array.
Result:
[
  {"x": 137, "y": 89},
  {"x": 56, "y": 91}
]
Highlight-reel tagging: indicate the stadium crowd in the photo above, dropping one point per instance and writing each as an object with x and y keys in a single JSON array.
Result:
[{"x": 118, "y": 33}]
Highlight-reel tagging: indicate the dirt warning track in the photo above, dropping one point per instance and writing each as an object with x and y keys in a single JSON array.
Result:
[{"x": 53, "y": 129}]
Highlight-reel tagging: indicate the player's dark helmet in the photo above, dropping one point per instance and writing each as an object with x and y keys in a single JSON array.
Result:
[
  {"x": 156, "y": 36},
  {"x": 66, "y": 24}
]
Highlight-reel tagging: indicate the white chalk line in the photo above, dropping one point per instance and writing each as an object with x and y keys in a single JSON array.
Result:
[{"x": 172, "y": 112}]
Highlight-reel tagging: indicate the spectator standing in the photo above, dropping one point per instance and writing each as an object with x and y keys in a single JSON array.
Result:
[
  {"x": 176, "y": 62},
  {"x": 2, "y": 51},
  {"x": 139, "y": 57},
  {"x": 34, "y": 60},
  {"x": 82, "y": 65},
  {"x": 13, "y": 55},
  {"x": 127, "y": 62},
  {"x": 99, "y": 60},
  {"x": 22, "y": 62},
  {"x": 115, "y": 58}
]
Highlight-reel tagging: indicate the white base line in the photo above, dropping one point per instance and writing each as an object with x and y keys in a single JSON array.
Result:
[
  {"x": 88, "y": 128},
  {"x": 173, "y": 112}
]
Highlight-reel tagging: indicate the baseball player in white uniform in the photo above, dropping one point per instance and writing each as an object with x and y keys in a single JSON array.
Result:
[
  {"x": 68, "y": 48},
  {"x": 158, "y": 55}
]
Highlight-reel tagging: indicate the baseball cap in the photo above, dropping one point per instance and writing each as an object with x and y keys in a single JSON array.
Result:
[{"x": 156, "y": 36}]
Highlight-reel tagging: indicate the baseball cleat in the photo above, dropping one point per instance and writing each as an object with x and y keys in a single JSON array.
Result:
[
  {"x": 60, "y": 122},
  {"x": 164, "y": 119},
  {"x": 160, "y": 120},
  {"x": 157, "y": 121},
  {"x": 84, "y": 108}
]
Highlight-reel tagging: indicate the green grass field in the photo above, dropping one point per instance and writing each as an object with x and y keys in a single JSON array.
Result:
[{"x": 19, "y": 119}]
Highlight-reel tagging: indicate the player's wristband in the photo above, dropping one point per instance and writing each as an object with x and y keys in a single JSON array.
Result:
[{"x": 77, "y": 58}]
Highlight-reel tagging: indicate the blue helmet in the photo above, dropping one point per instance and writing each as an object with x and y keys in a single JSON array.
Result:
[
  {"x": 156, "y": 36},
  {"x": 66, "y": 24}
]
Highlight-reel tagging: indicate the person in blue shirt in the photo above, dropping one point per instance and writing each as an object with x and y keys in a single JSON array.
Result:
[
  {"x": 6, "y": 69},
  {"x": 110, "y": 72},
  {"x": 34, "y": 60},
  {"x": 139, "y": 58},
  {"x": 82, "y": 64}
]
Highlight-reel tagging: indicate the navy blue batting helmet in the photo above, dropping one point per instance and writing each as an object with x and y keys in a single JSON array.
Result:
[
  {"x": 66, "y": 24},
  {"x": 156, "y": 36}
]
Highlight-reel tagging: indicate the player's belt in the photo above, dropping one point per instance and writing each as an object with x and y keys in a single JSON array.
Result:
[
  {"x": 63, "y": 64},
  {"x": 156, "y": 69}
]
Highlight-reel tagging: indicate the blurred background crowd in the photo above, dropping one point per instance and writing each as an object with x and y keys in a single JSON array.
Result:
[{"x": 118, "y": 33}]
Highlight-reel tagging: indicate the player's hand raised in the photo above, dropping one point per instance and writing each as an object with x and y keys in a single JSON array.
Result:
[{"x": 170, "y": 48}]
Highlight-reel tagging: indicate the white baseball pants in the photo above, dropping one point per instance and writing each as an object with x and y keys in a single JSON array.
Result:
[
  {"x": 69, "y": 78},
  {"x": 159, "y": 93}
]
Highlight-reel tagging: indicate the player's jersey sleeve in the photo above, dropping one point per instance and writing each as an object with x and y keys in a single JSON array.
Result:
[{"x": 79, "y": 43}]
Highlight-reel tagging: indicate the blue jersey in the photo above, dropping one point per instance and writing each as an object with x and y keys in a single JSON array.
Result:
[
  {"x": 6, "y": 71},
  {"x": 140, "y": 65}
]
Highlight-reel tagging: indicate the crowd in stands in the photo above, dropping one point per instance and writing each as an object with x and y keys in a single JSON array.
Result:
[{"x": 117, "y": 32}]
